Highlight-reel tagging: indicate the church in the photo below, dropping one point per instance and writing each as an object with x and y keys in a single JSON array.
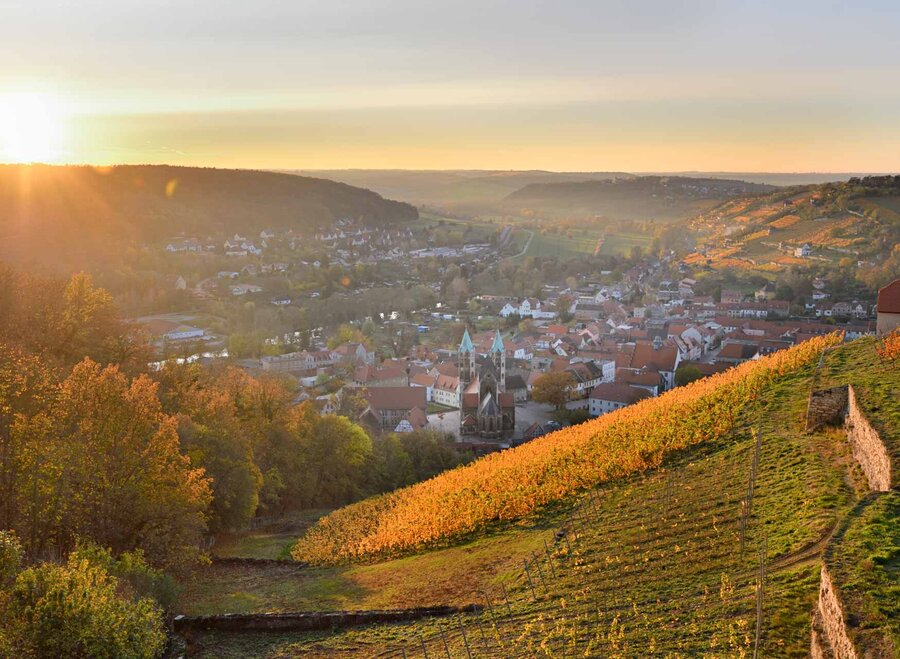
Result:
[{"x": 487, "y": 410}]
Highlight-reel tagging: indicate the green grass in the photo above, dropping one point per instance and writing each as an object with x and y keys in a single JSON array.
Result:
[
  {"x": 272, "y": 540},
  {"x": 864, "y": 561},
  {"x": 877, "y": 385}
]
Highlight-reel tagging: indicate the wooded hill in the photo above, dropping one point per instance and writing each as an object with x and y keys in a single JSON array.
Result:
[
  {"x": 462, "y": 189},
  {"x": 78, "y": 214}
]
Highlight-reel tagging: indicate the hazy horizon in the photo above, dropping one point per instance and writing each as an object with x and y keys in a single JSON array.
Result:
[{"x": 371, "y": 84}]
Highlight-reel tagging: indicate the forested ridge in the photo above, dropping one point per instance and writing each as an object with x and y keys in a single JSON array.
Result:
[{"x": 79, "y": 215}]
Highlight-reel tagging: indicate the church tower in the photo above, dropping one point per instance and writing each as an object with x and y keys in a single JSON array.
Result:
[
  {"x": 498, "y": 356},
  {"x": 466, "y": 361}
]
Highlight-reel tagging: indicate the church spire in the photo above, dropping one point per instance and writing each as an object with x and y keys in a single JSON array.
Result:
[
  {"x": 498, "y": 343},
  {"x": 466, "y": 344}
]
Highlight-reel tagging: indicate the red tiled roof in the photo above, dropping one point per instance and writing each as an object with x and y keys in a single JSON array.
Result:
[
  {"x": 889, "y": 298},
  {"x": 396, "y": 398},
  {"x": 619, "y": 393},
  {"x": 645, "y": 356}
]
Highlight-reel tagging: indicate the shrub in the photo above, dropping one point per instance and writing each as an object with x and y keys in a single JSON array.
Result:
[
  {"x": 77, "y": 610},
  {"x": 10, "y": 557}
]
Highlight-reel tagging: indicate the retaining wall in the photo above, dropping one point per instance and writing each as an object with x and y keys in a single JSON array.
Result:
[
  {"x": 306, "y": 622},
  {"x": 831, "y": 617},
  {"x": 826, "y": 407},
  {"x": 257, "y": 562},
  {"x": 868, "y": 449}
]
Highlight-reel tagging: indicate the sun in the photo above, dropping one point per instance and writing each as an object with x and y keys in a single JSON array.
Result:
[{"x": 31, "y": 128}]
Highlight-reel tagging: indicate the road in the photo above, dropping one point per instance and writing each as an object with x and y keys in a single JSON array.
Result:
[{"x": 524, "y": 249}]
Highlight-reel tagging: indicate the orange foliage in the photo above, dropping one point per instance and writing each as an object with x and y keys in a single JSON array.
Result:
[
  {"x": 889, "y": 347},
  {"x": 512, "y": 484}
]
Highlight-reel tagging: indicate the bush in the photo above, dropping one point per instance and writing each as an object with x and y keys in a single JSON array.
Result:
[
  {"x": 10, "y": 557},
  {"x": 77, "y": 610},
  {"x": 131, "y": 568}
]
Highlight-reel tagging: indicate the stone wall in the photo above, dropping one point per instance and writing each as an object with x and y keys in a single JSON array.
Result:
[
  {"x": 831, "y": 617},
  {"x": 868, "y": 449},
  {"x": 257, "y": 562},
  {"x": 305, "y": 622},
  {"x": 818, "y": 645},
  {"x": 826, "y": 407}
]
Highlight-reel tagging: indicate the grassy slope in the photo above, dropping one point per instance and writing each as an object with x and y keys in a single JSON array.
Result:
[
  {"x": 658, "y": 571},
  {"x": 864, "y": 561}
]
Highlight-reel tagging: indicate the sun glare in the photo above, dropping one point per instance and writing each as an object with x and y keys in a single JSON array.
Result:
[{"x": 31, "y": 128}]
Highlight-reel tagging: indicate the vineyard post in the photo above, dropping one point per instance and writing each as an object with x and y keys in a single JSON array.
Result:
[
  {"x": 530, "y": 583},
  {"x": 444, "y": 639},
  {"x": 484, "y": 643},
  {"x": 506, "y": 598},
  {"x": 743, "y": 526},
  {"x": 568, "y": 544},
  {"x": 760, "y": 593},
  {"x": 404, "y": 653},
  {"x": 549, "y": 559},
  {"x": 490, "y": 607},
  {"x": 424, "y": 649},
  {"x": 537, "y": 564},
  {"x": 463, "y": 632}
]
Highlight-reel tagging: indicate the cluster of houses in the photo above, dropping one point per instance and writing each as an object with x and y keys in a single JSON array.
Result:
[{"x": 625, "y": 355}]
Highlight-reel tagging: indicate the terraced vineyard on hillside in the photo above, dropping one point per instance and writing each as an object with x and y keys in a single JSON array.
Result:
[{"x": 645, "y": 564}]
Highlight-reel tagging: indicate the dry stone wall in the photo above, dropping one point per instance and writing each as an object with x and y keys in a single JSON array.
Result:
[
  {"x": 312, "y": 621},
  {"x": 826, "y": 407},
  {"x": 868, "y": 449},
  {"x": 831, "y": 616}
]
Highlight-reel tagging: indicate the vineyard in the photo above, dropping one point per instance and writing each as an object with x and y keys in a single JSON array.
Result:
[
  {"x": 716, "y": 552},
  {"x": 513, "y": 484}
]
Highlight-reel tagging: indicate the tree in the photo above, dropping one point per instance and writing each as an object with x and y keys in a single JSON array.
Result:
[
  {"x": 334, "y": 449},
  {"x": 26, "y": 387},
  {"x": 553, "y": 388},
  {"x": 686, "y": 373},
  {"x": 104, "y": 463},
  {"x": 215, "y": 439}
]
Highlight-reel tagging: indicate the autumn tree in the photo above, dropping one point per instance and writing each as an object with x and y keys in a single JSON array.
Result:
[
  {"x": 104, "y": 463},
  {"x": 553, "y": 388},
  {"x": 26, "y": 387}
]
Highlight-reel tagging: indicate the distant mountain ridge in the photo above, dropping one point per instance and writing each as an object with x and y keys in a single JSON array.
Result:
[
  {"x": 453, "y": 188},
  {"x": 68, "y": 213}
]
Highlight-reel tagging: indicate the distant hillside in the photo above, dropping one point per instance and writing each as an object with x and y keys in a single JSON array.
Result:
[
  {"x": 634, "y": 198},
  {"x": 453, "y": 188},
  {"x": 859, "y": 219},
  {"x": 67, "y": 215},
  {"x": 769, "y": 178}
]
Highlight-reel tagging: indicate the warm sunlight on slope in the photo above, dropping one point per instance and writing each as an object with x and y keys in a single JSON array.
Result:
[{"x": 31, "y": 128}]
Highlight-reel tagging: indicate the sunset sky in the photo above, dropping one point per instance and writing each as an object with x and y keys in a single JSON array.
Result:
[{"x": 562, "y": 85}]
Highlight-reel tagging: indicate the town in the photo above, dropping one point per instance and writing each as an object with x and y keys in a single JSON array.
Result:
[{"x": 489, "y": 369}]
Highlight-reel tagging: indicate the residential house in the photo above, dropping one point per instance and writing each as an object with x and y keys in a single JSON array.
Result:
[
  {"x": 354, "y": 352},
  {"x": 373, "y": 376},
  {"x": 611, "y": 396},
  {"x": 888, "y": 308},
  {"x": 387, "y": 407}
]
